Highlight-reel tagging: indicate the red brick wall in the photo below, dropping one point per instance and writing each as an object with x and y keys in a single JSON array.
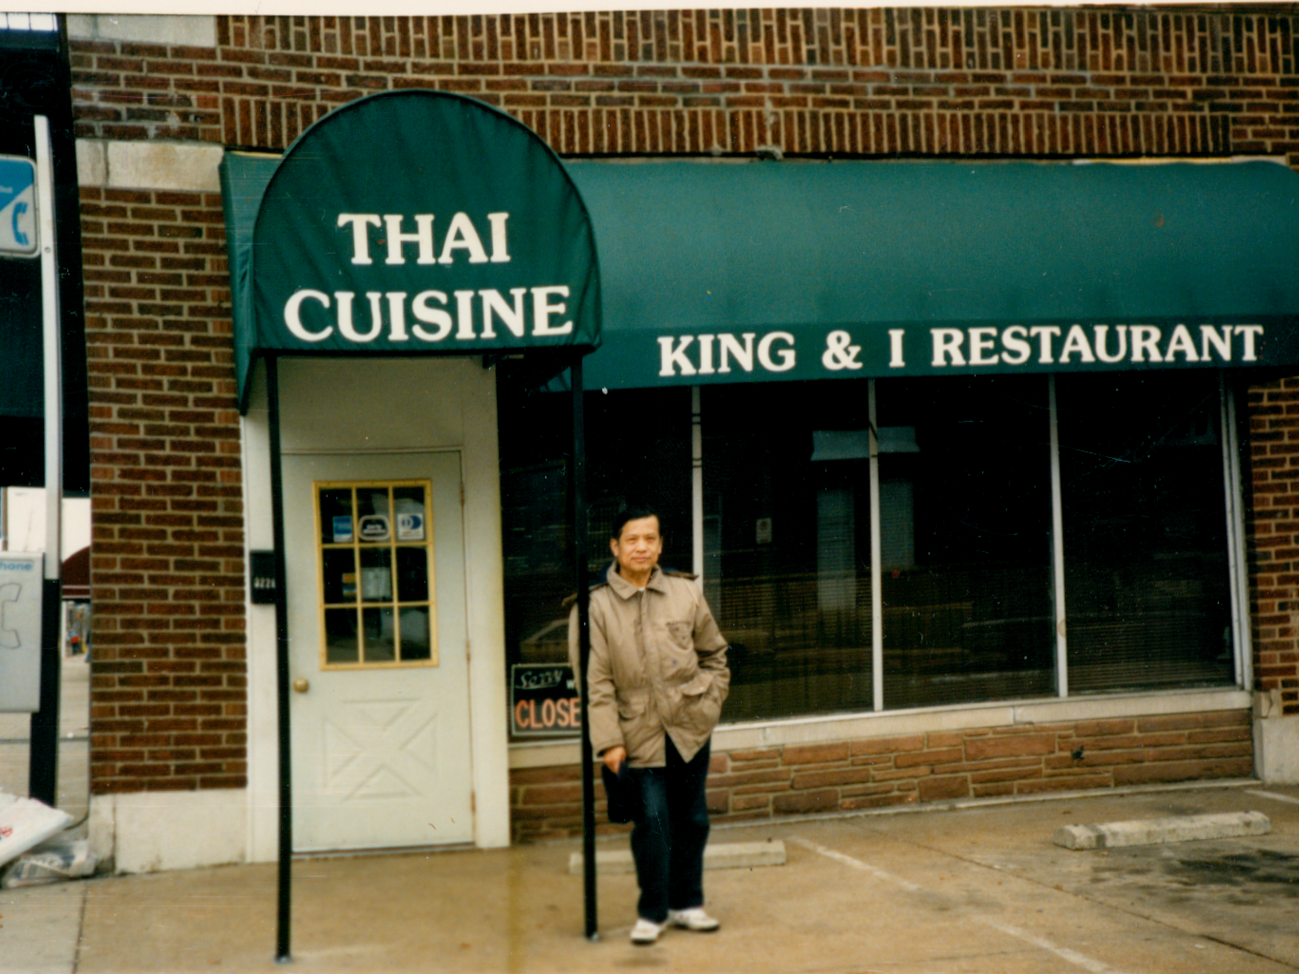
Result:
[
  {"x": 167, "y": 547},
  {"x": 848, "y": 776},
  {"x": 1274, "y": 548},
  {"x": 167, "y": 568},
  {"x": 872, "y": 82}
]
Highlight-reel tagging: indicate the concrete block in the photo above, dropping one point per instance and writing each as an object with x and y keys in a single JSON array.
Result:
[
  {"x": 170, "y": 29},
  {"x": 191, "y": 167},
  {"x": 152, "y": 831},
  {"x": 1276, "y": 747},
  {"x": 726, "y": 855},
  {"x": 1182, "y": 828}
]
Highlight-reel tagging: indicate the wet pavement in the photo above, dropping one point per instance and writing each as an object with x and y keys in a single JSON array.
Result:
[
  {"x": 980, "y": 888},
  {"x": 967, "y": 887}
]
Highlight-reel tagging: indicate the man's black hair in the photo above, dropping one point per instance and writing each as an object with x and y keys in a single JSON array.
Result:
[{"x": 633, "y": 512}]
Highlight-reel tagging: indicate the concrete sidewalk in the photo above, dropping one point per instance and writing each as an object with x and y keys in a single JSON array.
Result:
[{"x": 972, "y": 889}]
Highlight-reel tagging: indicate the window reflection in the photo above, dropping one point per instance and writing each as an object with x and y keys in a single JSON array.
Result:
[
  {"x": 1145, "y": 542},
  {"x": 965, "y": 531}
]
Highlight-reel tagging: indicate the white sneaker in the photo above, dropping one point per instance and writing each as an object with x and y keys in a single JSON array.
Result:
[
  {"x": 646, "y": 932},
  {"x": 694, "y": 919}
]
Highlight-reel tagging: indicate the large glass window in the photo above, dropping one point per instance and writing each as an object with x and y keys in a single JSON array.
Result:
[
  {"x": 787, "y": 536},
  {"x": 1145, "y": 543},
  {"x": 638, "y": 448},
  {"x": 965, "y": 539}
]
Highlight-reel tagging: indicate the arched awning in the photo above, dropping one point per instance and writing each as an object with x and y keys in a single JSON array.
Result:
[{"x": 408, "y": 223}]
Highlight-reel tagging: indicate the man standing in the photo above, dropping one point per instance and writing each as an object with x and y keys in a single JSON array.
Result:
[{"x": 657, "y": 679}]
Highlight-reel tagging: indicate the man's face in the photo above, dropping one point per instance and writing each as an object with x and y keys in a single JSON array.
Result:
[{"x": 638, "y": 548}]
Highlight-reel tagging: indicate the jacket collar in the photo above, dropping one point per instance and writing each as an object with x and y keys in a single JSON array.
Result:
[{"x": 626, "y": 589}]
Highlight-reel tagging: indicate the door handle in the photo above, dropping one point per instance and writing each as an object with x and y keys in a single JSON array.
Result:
[{"x": 301, "y": 685}]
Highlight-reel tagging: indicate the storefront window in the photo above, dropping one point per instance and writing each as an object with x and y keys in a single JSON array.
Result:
[
  {"x": 638, "y": 448},
  {"x": 965, "y": 539},
  {"x": 965, "y": 532},
  {"x": 1145, "y": 546},
  {"x": 787, "y": 540}
]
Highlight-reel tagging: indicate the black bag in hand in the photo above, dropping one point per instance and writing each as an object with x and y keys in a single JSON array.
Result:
[{"x": 622, "y": 792}]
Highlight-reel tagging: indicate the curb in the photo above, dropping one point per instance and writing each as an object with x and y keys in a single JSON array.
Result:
[
  {"x": 1161, "y": 830},
  {"x": 727, "y": 855}
]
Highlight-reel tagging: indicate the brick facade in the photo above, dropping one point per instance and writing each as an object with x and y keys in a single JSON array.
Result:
[
  {"x": 1019, "y": 82},
  {"x": 848, "y": 776},
  {"x": 167, "y": 568},
  {"x": 1274, "y": 538},
  {"x": 167, "y": 499}
]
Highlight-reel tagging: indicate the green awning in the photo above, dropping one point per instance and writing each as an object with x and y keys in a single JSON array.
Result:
[
  {"x": 740, "y": 271},
  {"x": 409, "y": 223},
  {"x": 745, "y": 271}
]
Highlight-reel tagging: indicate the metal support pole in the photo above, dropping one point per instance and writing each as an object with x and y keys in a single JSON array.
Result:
[
  {"x": 43, "y": 773},
  {"x": 697, "y": 485},
  {"x": 285, "y": 889},
  {"x": 581, "y": 546},
  {"x": 1057, "y": 547},
  {"x": 877, "y": 557}
]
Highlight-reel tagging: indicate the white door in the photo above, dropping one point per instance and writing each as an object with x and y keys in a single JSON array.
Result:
[{"x": 379, "y": 668}]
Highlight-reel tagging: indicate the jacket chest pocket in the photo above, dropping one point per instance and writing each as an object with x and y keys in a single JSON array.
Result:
[{"x": 681, "y": 635}]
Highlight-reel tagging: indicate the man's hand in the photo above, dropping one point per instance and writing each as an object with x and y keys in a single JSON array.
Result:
[{"x": 614, "y": 757}]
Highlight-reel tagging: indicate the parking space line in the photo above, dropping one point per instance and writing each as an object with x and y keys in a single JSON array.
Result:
[
  {"x": 1064, "y": 953},
  {"x": 855, "y": 864}
]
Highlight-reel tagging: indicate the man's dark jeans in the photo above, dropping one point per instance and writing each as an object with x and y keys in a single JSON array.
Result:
[{"x": 670, "y": 834}]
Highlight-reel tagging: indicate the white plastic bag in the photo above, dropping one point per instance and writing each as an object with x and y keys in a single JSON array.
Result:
[
  {"x": 25, "y": 823},
  {"x": 52, "y": 862}
]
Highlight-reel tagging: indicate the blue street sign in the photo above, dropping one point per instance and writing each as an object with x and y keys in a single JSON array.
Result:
[{"x": 17, "y": 207}]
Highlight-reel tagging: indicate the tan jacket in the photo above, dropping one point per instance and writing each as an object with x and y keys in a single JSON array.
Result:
[{"x": 658, "y": 665}]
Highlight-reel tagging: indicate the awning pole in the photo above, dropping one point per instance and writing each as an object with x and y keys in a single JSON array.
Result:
[
  {"x": 581, "y": 546},
  {"x": 1057, "y": 547},
  {"x": 285, "y": 891},
  {"x": 43, "y": 773}
]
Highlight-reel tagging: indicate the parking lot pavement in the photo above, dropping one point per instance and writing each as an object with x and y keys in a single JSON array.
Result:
[
  {"x": 1225, "y": 905},
  {"x": 977, "y": 889}
]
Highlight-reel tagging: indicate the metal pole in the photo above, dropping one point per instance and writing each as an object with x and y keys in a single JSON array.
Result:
[
  {"x": 877, "y": 557},
  {"x": 581, "y": 546},
  {"x": 1237, "y": 551},
  {"x": 1057, "y": 547},
  {"x": 697, "y": 484},
  {"x": 43, "y": 773},
  {"x": 285, "y": 890}
]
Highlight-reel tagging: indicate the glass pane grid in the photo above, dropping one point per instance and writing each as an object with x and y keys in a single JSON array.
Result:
[{"x": 376, "y": 582}]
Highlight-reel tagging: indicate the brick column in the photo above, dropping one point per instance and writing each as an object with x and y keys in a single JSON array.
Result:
[
  {"x": 167, "y": 570},
  {"x": 1274, "y": 539}
]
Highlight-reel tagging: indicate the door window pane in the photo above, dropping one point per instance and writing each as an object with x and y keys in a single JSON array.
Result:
[
  {"x": 380, "y": 635},
  {"x": 1145, "y": 546},
  {"x": 341, "y": 643},
  {"x": 340, "y": 575},
  {"x": 965, "y": 539},
  {"x": 376, "y": 575},
  {"x": 415, "y": 643},
  {"x": 412, "y": 574},
  {"x": 336, "y": 516}
]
